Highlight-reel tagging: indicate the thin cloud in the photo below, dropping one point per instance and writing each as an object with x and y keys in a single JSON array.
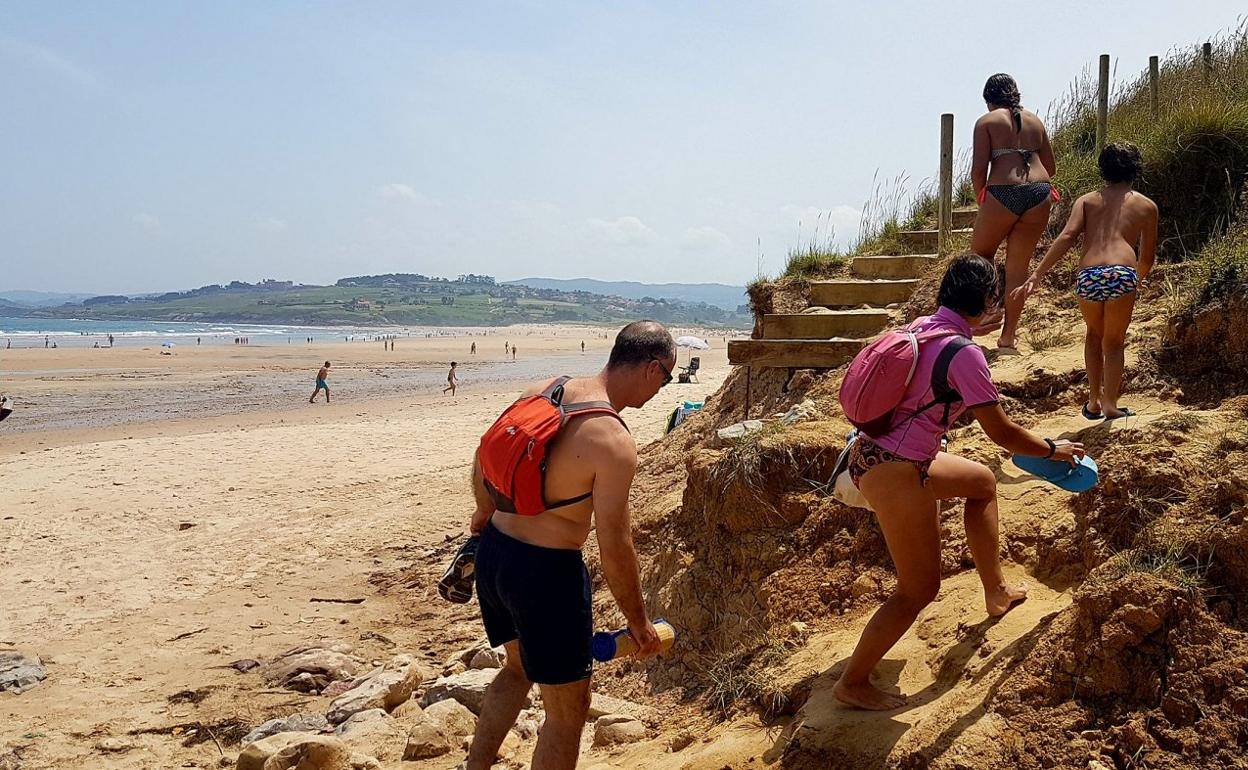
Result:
[
  {"x": 624, "y": 231},
  {"x": 146, "y": 221},
  {"x": 34, "y": 55},
  {"x": 404, "y": 192},
  {"x": 271, "y": 225},
  {"x": 704, "y": 238}
]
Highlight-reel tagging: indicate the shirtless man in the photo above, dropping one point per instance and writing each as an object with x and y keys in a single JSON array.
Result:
[
  {"x": 1115, "y": 221},
  {"x": 531, "y": 580},
  {"x": 452, "y": 379},
  {"x": 321, "y": 384}
]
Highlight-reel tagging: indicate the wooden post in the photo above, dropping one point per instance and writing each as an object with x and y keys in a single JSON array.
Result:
[
  {"x": 1206, "y": 53},
  {"x": 749, "y": 370},
  {"x": 1102, "y": 103},
  {"x": 1152, "y": 85},
  {"x": 946, "y": 183}
]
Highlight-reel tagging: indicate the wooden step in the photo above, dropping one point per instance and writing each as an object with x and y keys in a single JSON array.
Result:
[
  {"x": 964, "y": 216},
  {"x": 927, "y": 241},
  {"x": 908, "y": 266},
  {"x": 793, "y": 354},
  {"x": 822, "y": 326},
  {"x": 851, "y": 293}
]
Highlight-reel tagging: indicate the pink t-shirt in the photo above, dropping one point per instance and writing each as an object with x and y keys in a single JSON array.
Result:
[{"x": 918, "y": 437}]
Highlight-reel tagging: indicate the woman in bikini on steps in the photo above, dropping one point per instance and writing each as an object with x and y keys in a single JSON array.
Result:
[
  {"x": 904, "y": 474},
  {"x": 1011, "y": 166}
]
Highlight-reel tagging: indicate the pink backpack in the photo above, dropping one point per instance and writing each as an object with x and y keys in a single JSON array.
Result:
[{"x": 881, "y": 373}]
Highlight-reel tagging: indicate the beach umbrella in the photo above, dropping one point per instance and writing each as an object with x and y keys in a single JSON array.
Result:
[{"x": 692, "y": 343}]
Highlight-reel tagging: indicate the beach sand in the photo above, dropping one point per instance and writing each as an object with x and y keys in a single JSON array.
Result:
[{"x": 163, "y": 516}]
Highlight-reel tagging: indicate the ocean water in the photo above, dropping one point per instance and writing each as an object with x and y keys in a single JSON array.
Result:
[{"x": 31, "y": 332}]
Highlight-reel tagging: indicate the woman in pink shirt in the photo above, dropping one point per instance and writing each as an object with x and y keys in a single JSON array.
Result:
[{"x": 903, "y": 474}]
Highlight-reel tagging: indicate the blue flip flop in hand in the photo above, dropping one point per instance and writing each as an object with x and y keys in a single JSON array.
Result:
[{"x": 1073, "y": 478}]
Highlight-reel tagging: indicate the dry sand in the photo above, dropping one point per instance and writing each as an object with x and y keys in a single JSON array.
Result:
[{"x": 162, "y": 516}]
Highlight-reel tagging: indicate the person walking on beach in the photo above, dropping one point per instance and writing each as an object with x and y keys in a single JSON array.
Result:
[
  {"x": 321, "y": 384},
  {"x": 1114, "y": 221},
  {"x": 474, "y": 348},
  {"x": 1011, "y": 164},
  {"x": 532, "y": 585},
  {"x": 513, "y": 352},
  {"x": 903, "y": 473},
  {"x": 452, "y": 380},
  {"x": 582, "y": 346}
]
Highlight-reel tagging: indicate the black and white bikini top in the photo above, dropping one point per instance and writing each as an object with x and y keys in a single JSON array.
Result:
[{"x": 1023, "y": 153}]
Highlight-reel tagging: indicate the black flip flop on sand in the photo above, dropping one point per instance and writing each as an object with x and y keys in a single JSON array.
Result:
[
  {"x": 1126, "y": 412},
  {"x": 457, "y": 582},
  {"x": 1088, "y": 414}
]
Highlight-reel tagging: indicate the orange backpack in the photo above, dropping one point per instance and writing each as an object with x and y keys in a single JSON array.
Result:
[{"x": 513, "y": 451}]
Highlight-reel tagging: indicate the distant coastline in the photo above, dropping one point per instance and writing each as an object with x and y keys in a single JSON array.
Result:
[{"x": 386, "y": 301}]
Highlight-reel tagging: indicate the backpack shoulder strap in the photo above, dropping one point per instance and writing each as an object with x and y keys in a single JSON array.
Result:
[
  {"x": 585, "y": 408},
  {"x": 554, "y": 391},
  {"x": 941, "y": 392},
  {"x": 940, "y": 370}
]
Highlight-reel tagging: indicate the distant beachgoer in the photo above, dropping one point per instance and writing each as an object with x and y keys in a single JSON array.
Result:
[
  {"x": 321, "y": 383},
  {"x": 530, "y": 576},
  {"x": 452, "y": 381},
  {"x": 1015, "y": 195},
  {"x": 506, "y": 348},
  {"x": 198, "y": 341},
  {"x": 582, "y": 346},
  {"x": 474, "y": 348},
  {"x": 903, "y": 473},
  {"x": 1113, "y": 222},
  {"x": 513, "y": 352},
  {"x": 45, "y": 340}
]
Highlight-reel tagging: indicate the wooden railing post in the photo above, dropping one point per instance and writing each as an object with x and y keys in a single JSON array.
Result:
[
  {"x": 1102, "y": 103},
  {"x": 1152, "y": 85},
  {"x": 1206, "y": 53},
  {"x": 945, "y": 209}
]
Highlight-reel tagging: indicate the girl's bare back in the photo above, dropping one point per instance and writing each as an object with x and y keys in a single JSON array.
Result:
[{"x": 1115, "y": 221}]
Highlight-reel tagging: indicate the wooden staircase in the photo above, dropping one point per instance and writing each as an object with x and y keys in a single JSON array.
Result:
[{"x": 845, "y": 313}]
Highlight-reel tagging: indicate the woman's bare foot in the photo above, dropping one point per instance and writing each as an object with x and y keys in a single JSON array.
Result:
[
  {"x": 866, "y": 696},
  {"x": 1004, "y": 599}
]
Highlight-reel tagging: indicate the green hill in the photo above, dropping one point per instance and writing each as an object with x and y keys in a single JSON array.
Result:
[{"x": 387, "y": 300}]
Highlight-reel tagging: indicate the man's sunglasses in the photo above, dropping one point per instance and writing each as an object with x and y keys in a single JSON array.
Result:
[{"x": 667, "y": 373}]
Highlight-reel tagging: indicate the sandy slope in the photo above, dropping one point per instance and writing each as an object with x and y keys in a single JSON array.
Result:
[{"x": 952, "y": 660}]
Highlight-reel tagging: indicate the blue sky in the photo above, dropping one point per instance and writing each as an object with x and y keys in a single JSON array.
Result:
[{"x": 155, "y": 146}]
